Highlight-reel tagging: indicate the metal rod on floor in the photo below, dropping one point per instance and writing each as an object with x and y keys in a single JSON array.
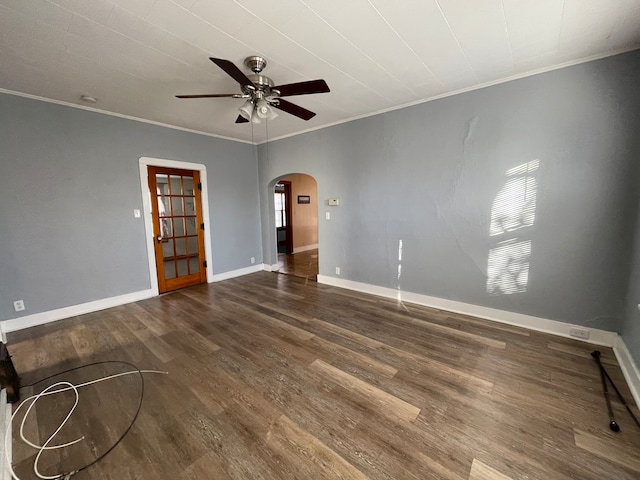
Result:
[
  {"x": 622, "y": 400},
  {"x": 612, "y": 424}
]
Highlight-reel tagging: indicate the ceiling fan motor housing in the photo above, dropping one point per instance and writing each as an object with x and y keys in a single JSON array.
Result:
[
  {"x": 264, "y": 85},
  {"x": 261, "y": 80},
  {"x": 255, "y": 63},
  {"x": 264, "y": 88}
]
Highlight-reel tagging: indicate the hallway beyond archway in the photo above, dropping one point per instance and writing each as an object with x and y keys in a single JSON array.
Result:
[{"x": 296, "y": 225}]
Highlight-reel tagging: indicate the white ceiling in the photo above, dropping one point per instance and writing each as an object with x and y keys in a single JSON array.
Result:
[{"x": 135, "y": 55}]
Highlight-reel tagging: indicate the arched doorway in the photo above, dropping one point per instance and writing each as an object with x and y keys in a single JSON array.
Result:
[{"x": 296, "y": 225}]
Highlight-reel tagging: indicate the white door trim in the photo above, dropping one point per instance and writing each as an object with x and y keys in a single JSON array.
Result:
[{"x": 148, "y": 221}]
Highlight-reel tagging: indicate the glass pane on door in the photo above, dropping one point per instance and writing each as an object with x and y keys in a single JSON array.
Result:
[
  {"x": 178, "y": 226},
  {"x": 191, "y": 226},
  {"x": 176, "y": 185},
  {"x": 194, "y": 265},
  {"x": 169, "y": 269}
]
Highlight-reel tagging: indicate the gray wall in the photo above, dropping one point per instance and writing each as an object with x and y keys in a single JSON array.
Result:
[
  {"x": 428, "y": 174},
  {"x": 69, "y": 181},
  {"x": 631, "y": 326}
]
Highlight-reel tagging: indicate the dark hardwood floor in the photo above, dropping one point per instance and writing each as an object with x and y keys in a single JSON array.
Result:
[
  {"x": 301, "y": 264},
  {"x": 273, "y": 377}
]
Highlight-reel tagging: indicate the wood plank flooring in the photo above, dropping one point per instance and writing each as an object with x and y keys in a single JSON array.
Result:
[
  {"x": 274, "y": 377},
  {"x": 301, "y": 264}
]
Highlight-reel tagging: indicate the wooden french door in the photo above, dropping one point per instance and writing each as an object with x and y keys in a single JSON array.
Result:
[{"x": 176, "y": 208}]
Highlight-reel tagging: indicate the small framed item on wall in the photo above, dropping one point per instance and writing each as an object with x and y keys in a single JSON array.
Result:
[{"x": 304, "y": 199}]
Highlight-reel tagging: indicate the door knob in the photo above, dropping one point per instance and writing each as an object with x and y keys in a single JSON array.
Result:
[{"x": 159, "y": 238}]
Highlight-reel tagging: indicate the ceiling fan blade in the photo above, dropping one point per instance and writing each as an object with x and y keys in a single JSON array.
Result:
[
  {"x": 233, "y": 71},
  {"x": 241, "y": 119},
  {"x": 302, "y": 88},
  {"x": 212, "y": 95},
  {"x": 294, "y": 109}
]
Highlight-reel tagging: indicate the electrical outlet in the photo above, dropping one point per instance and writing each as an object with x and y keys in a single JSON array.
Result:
[
  {"x": 253, "y": 260},
  {"x": 327, "y": 215},
  {"x": 337, "y": 270},
  {"x": 579, "y": 333},
  {"x": 136, "y": 213},
  {"x": 18, "y": 305}
]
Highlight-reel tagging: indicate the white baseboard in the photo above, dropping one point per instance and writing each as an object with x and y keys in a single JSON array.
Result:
[
  {"x": 629, "y": 369},
  {"x": 305, "y": 248},
  {"x": 597, "y": 337},
  {"x": 5, "y": 429},
  {"x": 218, "y": 277},
  {"x": 271, "y": 268},
  {"x": 74, "y": 310}
]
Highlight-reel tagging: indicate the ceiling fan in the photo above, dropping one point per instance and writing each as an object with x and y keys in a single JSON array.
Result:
[{"x": 262, "y": 93}]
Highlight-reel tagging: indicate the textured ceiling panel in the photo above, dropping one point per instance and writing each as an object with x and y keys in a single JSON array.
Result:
[{"x": 376, "y": 55}]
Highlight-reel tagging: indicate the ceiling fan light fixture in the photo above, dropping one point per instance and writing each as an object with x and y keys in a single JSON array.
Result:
[
  {"x": 262, "y": 109},
  {"x": 246, "y": 110}
]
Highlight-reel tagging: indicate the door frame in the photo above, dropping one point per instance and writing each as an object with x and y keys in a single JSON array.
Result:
[
  {"x": 144, "y": 162},
  {"x": 288, "y": 216}
]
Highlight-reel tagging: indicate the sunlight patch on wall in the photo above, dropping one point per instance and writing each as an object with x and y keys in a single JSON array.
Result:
[
  {"x": 399, "y": 268},
  {"x": 508, "y": 269},
  {"x": 513, "y": 210},
  {"x": 515, "y": 204}
]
